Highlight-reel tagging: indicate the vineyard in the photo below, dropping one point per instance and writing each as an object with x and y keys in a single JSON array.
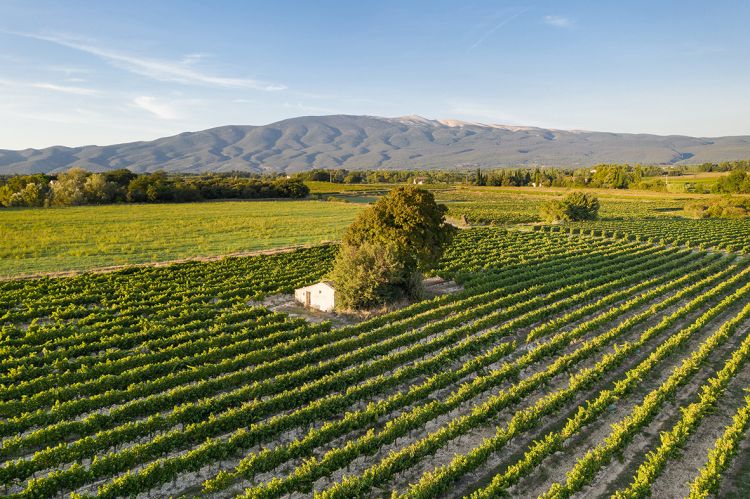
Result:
[
  {"x": 719, "y": 234},
  {"x": 570, "y": 364}
]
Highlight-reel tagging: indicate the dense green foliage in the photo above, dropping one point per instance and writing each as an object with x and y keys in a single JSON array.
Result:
[
  {"x": 738, "y": 181},
  {"x": 574, "y": 207},
  {"x": 368, "y": 275},
  {"x": 388, "y": 246},
  {"x": 77, "y": 187},
  {"x": 724, "y": 207}
]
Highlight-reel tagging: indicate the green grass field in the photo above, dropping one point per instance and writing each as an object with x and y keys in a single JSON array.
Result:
[
  {"x": 38, "y": 240},
  {"x": 694, "y": 182},
  {"x": 512, "y": 205}
]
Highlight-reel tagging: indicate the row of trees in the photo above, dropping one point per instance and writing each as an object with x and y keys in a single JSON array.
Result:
[
  {"x": 608, "y": 176},
  {"x": 725, "y": 166},
  {"x": 343, "y": 176},
  {"x": 79, "y": 187}
]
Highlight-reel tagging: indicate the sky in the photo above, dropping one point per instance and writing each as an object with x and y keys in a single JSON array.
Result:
[{"x": 102, "y": 72}]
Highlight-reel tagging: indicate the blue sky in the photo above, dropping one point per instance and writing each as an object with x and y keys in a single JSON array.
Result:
[{"x": 100, "y": 72}]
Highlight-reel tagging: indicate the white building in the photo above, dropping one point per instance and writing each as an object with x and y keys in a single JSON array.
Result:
[{"x": 320, "y": 296}]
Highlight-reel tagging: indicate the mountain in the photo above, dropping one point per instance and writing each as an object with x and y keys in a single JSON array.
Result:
[{"x": 360, "y": 142}]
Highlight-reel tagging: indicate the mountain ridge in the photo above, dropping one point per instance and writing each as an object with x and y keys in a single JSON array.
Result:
[{"x": 367, "y": 142}]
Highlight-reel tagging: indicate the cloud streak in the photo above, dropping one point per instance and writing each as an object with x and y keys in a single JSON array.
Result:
[
  {"x": 67, "y": 89},
  {"x": 156, "y": 69},
  {"x": 558, "y": 21},
  {"x": 158, "y": 109},
  {"x": 497, "y": 26}
]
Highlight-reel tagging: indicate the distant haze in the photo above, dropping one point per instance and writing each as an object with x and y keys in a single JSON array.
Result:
[{"x": 368, "y": 142}]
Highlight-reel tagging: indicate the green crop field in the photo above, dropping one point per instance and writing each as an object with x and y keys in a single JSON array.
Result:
[
  {"x": 78, "y": 238},
  {"x": 570, "y": 364},
  {"x": 60, "y": 239},
  {"x": 508, "y": 206}
]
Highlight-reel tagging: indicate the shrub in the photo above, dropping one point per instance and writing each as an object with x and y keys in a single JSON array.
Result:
[
  {"x": 369, "y": 275},
  {"x": 727, "y": 207},
  {"x": 573, "y": 207}
]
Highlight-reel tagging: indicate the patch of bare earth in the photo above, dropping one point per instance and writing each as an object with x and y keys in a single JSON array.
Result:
[{"x": 433, "y": 286}]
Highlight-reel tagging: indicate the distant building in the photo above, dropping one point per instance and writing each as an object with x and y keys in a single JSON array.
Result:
[
  {"x": 320, "y": 296},
  {"x": 419, "y": 180}
]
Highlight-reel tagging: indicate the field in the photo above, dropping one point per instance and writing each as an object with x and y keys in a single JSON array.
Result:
[
  {"x": 569, "y": 365},
  {"x": 61, "y": 239},
  {"x": 723, "y": 235},
  {"x": 703, "y": 181},
  {"x": 507, "y": 206},
  {"x": 38, "y": 241},
  {"x": 596, "y": 359}
]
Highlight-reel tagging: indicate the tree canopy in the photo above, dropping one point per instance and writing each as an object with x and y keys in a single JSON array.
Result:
[
  {"x": 77, "y": 186},
  {"x": 388, "y": 245},
  {"x": 573, "y": 207}
]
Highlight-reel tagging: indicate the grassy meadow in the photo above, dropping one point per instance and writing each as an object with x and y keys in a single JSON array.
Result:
[
  {"x": 512, "y": 205},
  {"x": 36, "y": 240}
]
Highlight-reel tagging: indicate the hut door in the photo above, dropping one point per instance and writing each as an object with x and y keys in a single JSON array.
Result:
[{"x": 308, "y": 295}]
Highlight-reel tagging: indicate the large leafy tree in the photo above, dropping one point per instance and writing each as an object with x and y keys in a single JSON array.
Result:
[
  {"x": 573, "y": 207},
  {"x": 68, "y": 189},
  {"x": 403, "y": 234}
]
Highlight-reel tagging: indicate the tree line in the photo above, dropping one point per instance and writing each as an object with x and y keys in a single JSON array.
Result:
[
  {"x": 737, "y": 182},
  {"x": 79, "y": 187},
  {"x": 603, "y": 176}
]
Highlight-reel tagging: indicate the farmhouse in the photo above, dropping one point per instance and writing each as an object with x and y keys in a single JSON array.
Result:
[{"x": 320, "y": 296}]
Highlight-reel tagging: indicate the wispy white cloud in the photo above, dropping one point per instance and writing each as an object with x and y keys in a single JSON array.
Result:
[
  {"x": 159, "y": 109},
  {"x": 505, "y": 20},
  {"x": 68, "y": 70},
  {"x": 193, "y": 58},
  {"x": 67, "y": 89},
  {"x": 491, "y": 114},
  {"x": 559, "y": 21},
  {"x": 157, "y": 69}
]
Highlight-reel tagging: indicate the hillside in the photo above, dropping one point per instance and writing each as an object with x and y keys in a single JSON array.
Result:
[{"x": 359, "y": 142}]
